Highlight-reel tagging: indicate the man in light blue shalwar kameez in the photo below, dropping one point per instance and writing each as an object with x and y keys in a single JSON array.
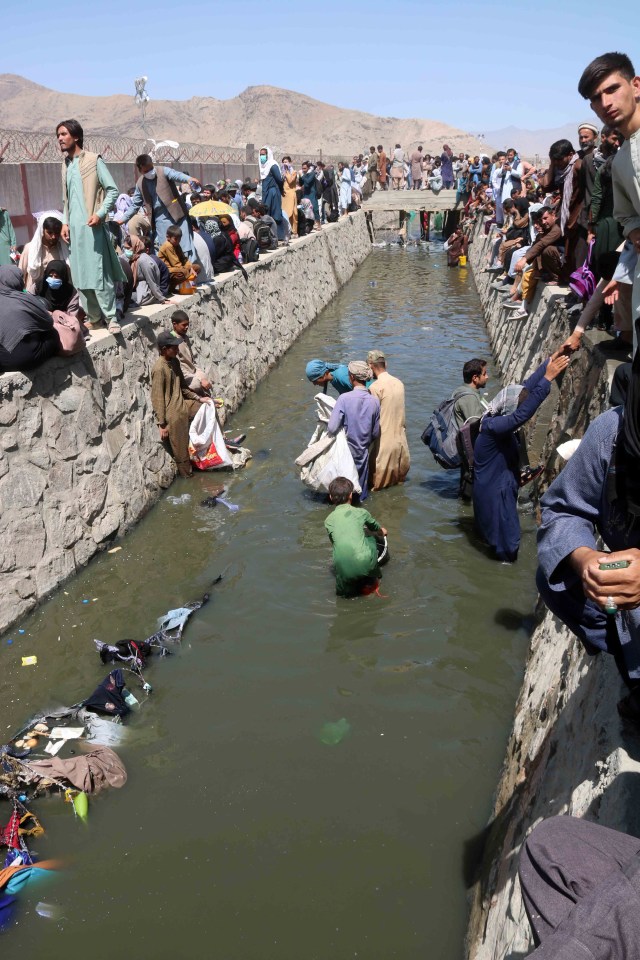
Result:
[{"x": 89, "y": 193}]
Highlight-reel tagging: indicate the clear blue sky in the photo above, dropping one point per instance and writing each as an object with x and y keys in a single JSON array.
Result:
[{"x": 476, "y": 65}]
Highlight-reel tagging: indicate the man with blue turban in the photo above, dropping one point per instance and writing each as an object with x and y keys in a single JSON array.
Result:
[{"x": 322, "y": 374}]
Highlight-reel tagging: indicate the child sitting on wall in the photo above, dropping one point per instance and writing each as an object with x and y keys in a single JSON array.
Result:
[
  {"x": 181, "y": 270},
  {"x": 356, "y": 549}
]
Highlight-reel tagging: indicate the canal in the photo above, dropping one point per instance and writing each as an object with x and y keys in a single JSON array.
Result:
[{"x": 240, "y": 835}]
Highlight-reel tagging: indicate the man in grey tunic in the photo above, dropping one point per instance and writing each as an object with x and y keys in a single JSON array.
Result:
[{"x": 156, "y": 191}]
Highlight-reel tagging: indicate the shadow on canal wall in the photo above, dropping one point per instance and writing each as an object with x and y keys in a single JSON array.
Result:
[
  {"x": 80, "y": 455},
  {"x": 567, "y": 751}
]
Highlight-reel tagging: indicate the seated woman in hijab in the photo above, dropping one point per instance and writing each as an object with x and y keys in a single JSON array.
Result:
[
  {"x": 27, "y": 334},
  {"x": 597, "y": 497},
  {"x": 58, "y": 292},
  {"x": 496, "y": 456},
  {"x": 321, "y": 373}
]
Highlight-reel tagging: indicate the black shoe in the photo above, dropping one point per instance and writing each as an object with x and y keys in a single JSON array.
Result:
[{"x": 529, "y": 474}]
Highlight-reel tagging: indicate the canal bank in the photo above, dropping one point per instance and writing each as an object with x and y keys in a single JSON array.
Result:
[
  {"x": 238, "y": 826},
  {"x": 567, "y": 752},
  {"x": 80, "y": 457}
]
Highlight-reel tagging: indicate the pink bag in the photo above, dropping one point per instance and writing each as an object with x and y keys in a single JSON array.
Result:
[
  {"x": 582, "y": 281},
  {"x": 69, "y": 330}
]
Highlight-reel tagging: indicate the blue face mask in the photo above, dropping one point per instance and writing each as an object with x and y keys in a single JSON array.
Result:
[
  {"x": 128, "y": 254},
  {"x": 54, "y": 282}
]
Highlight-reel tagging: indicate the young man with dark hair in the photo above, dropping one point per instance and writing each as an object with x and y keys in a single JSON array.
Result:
[
  {"x": 355, "y": 547},
  {"x": 565, "y": 174},
  {"x": 613, "y": 90},
  {"x": 89, "y": 193}
]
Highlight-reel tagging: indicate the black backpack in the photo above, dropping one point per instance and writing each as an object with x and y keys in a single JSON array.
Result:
[
  {"x": 263, "y": 235},
  {"x": 249, "y": 249},
  {"x": 441, "y": 434}
]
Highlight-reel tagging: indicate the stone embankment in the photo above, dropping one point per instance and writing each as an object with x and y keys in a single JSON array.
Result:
[
  {"x": 567, "y": 752},
  {"x": 80, "y": 456}
]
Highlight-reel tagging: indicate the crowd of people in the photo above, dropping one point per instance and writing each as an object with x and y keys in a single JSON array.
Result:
[{"x": 574, "y": 223}]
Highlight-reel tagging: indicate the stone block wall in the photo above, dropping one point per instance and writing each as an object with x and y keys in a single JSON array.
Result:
[
  {"x": 568, "y": 752},
  {"x": 80, "y": 455}
]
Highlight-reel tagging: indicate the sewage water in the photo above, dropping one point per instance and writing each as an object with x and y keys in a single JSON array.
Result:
[{"x": 240, "y": 835}]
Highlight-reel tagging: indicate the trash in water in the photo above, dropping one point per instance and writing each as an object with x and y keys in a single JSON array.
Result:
[
  {"x": 373, "y": 283},
  {"x": 49, "y": 910},
  {"x": 20, "y": 631},
  {"x": 233, "y": 507},
  {"x": 9, "y": 641},
  {"x": 85, "y": 601},
  {"x": 29, "y": 661},
  {"x": 333, "y": 732},
  {"x": 114, "y": 549},
  {"x": 183, "y": 499},
  {"x": 209, "y": 502}
]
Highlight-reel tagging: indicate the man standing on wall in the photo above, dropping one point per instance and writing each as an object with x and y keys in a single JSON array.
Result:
[
  {"x": 613, "y": 89},
  {"x": 89, "y": 193},
  {"x": 165, "y": 206},
  {"x": 7, "y": 238}
]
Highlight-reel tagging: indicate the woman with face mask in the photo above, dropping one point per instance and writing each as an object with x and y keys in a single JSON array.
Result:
[
  {"x": 58, "y": 292},
  {"x": 272, "y": 187}
]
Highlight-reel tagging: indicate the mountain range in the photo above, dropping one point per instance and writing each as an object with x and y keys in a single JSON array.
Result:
[{"x": 283, "y": 119}]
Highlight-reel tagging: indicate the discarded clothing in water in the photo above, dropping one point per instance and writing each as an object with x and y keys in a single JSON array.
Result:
[
  {"x": 25, "y": 874},
  {"x": 127, "y": 651},
  {"x": 21, "y": 824},
  {"x": 108, "y": 697},
  {"x": 89, "y": 772},
  {"x": 7, "y": 911}
]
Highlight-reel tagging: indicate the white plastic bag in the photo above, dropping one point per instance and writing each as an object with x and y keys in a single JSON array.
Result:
[
  {"x": 326, "y": 457},
  {"x": 207, "y": 448}
]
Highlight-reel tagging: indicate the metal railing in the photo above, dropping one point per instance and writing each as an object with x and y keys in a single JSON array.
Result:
[{"x": 21, "y": 146}]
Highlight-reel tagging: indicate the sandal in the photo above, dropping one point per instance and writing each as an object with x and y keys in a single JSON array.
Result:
[{"x": 114, "y": 327}]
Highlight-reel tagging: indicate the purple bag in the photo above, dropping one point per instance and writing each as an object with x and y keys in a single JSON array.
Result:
[{"x": 582, "y": 282}]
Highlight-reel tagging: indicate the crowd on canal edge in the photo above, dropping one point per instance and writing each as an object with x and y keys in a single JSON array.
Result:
[{"x": 575, "y": 223}]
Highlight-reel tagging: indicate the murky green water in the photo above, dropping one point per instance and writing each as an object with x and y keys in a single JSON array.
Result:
[{"x": 239, "y": 834}]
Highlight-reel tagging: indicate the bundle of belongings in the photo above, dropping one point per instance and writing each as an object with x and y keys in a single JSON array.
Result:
[
  {"x": 326, "y": 457},
  {"x": 69, "y": 749}
]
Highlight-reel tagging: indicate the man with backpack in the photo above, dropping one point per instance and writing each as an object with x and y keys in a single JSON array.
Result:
[
  {"x": 467, "y": 409},
  {"x": 265, "y": 228},
  {"x": 449, "y": 435}
]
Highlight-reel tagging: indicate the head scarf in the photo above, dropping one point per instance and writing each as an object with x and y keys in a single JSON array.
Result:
[
  {"x": 360, "y": 371},
  {"x": 505, "y": 402},
  {"x": 138, "y": 249},
  {"x": 269, "y": 162},
  {"x": 20, "y": 313},
  {"x": 318, "y": 368},
  {"x": 56, "y": 299},
  {"x": 564, "y": 178},
  {"x": 34, "y": 263}
]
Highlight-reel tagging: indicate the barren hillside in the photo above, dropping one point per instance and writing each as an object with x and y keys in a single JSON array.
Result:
[{"x": 282, "y": 118}]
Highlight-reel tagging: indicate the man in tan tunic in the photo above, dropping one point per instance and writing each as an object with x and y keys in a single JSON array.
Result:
[
  {"x": 390, "y": 454},
  {"x": 174, "y": 404}
]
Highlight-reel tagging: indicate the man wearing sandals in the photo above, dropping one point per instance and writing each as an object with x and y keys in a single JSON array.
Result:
[{"x": 89, "y": 193}]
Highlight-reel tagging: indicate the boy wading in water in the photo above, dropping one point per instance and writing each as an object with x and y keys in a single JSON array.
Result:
[{"x": 355, "y": 547}]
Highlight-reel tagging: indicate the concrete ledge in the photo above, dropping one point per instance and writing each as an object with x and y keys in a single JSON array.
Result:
[
  {"x": 568, "y": 752},
  {"x": 80, "y": 455}
]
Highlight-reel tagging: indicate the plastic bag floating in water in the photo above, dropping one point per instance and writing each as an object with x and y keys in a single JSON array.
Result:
[
  {"x": 177, "y": 500},
  {"x": 333, "y": 732}
]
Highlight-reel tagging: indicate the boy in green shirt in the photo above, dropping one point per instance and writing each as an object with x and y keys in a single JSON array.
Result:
[{"x": 355, "y": 546}]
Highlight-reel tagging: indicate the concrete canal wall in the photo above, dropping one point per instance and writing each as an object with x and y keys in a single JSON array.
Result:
[
  {"x": 567, "y": 752},
  {"x": 80, "y": 456}
]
